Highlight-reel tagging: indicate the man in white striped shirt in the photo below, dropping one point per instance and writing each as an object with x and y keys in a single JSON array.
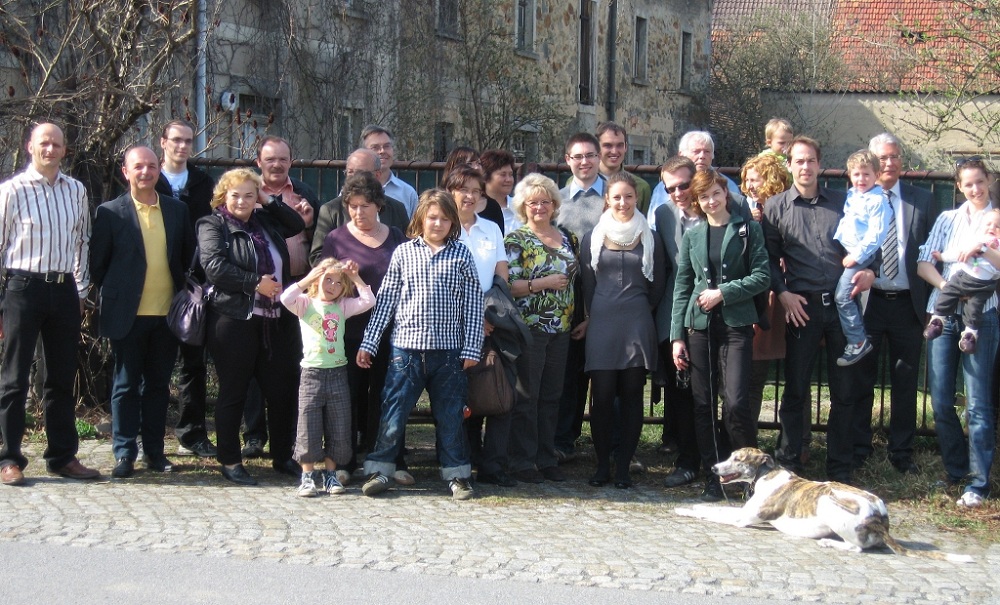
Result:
[{"x": 44, "y": 239}]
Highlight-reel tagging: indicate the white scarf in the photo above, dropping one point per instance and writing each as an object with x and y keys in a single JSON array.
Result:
[{"x": 623, "y": 234}]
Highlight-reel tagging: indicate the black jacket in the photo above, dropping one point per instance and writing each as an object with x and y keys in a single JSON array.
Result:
[
  {"x": 229, "y": 259},
  {"x": 197, "y": 195}
]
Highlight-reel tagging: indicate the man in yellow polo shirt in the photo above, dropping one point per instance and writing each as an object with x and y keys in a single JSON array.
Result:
[{"x": 138, "y": 253}]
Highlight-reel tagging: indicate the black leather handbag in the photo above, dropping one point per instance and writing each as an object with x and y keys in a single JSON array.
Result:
[{"x": 188, "y": 314}]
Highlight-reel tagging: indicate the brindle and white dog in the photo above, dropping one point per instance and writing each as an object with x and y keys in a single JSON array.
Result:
[{"x": 806, "y": 509}]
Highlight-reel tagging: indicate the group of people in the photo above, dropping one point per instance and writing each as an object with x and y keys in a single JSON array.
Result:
[{"x": 327, "y": 321}]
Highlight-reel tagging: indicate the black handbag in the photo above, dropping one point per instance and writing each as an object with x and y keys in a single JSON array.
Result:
[
  {"x": 490, "y": 391},
  {"x": 188, "y": 314}
]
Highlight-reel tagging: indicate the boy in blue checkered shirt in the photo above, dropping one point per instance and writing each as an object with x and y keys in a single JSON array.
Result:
[{"x": 431, "y": 290}]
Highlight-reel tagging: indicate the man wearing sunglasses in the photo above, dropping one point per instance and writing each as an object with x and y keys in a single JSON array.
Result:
[{"x": 672, "y": 219}]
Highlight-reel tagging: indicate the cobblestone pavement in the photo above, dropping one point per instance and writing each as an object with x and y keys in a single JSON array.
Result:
[{"x": 565, "y": 533}]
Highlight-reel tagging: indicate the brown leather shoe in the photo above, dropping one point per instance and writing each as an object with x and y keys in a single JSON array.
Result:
[
  {"x": 11, "y": 475},
  {"x": 75, "y": 470}
]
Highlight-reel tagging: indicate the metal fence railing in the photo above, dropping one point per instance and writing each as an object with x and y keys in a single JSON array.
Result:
[{"x": 327, "y": 176}]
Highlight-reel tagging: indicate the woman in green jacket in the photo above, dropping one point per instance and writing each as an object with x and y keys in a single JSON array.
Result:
[{"x": 721, "y": 265}]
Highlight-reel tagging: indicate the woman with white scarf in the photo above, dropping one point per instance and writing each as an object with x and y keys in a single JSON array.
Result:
[{"x": 624, "y": 276}]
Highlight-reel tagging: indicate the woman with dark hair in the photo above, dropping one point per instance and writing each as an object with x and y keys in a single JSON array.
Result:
[
  {"x": 485, "y": 241},
  {"x": 370, "y": 244},
  {"x": 498, "y": 169},
  {"x": 966, "y": 459},
  {"x": 713, "y": 304},
  {"x": 467, "y": 155},
  {"x": 624, "y": 275},
  {"x": 250, "y": 334}
]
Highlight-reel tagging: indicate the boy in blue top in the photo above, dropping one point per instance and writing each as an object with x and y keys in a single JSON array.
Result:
[{"x": 862, "y": 231}]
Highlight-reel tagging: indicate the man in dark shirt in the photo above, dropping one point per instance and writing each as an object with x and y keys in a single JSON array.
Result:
[
  {"x": 798, "y": 227},
  {"x": 183, "y": 180}
]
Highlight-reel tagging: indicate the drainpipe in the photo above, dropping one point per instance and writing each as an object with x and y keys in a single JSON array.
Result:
[
  {"x": 612, "y": 58},
  {"x": 201, "y": 77}
]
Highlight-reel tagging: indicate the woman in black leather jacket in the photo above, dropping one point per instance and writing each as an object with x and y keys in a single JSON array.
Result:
[{"x": 250, "y": 334}]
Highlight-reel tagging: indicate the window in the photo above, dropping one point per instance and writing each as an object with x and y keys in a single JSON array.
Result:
[
  {"x": 258, "y": 115},
  {"x": 349, "y": 131},
  {"x": 587, "y": 47},
  {"x": 686, "y": 43},
  {"x": 447, "y": 17},
  {"x": 444, "y": 133},
  {"x": 524, "y": 26},
  {"x": 640, "y": 61},
  {"x": 639, "y": 155},
  {"x": 524, "y": 144}
]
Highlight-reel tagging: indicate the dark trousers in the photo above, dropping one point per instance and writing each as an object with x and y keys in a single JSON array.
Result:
[
  {"x": 191, "y": 379},
  {"x": 720, "y": 365},
  {"x": 541, "y": 370},
  {"x": 962, "y": 285},
  {"x": 627, "y": 386},
  {"x": 144, "y": 360},
  {"x": 33, "y": 308},
  {"x": 893, "y": 321},
  {"x": 573, "y": 403},
  {"x": 245, "y": 349},
  {"x": 254, "y": 414},
  {"x": 678, "y": 403},
  {"x": 802, "y": 348}
]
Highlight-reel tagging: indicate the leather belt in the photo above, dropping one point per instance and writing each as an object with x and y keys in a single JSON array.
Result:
[
  {"x": 49, "y": 277},
  {"x": 890, "y": 294}
]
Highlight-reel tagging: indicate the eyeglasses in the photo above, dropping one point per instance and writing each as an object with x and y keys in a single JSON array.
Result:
[
  {"x": 582, "y": 156},
  {"x": 472, "y": 192},
  {"x": 891, "y": 156},
  {"x": 378, "y": 148},
  {"x": 679, "y": 187},
  {"x": 538, "y": 203}
]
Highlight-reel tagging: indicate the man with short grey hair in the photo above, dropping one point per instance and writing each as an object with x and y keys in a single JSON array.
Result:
[
  {"x": 379, "y": 140},
  {"x": 334, "y": 213},
  {"x": 896, "y": 311},
  {"x": 699, "y": 147}
]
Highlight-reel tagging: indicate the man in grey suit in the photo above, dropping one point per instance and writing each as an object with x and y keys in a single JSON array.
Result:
[
  {"x": 896, "y": 312},
  {"x": 139, "y": 248},
  {"x": 673, "y": 218}
]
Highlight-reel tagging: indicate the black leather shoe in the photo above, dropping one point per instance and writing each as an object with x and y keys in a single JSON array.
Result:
[
  {"x": 499, "y": 478},
  {"x": 623, "y": 483},
  {"x": 124, "y": 469},
  {"x": 238, "y": 475},
  {"x": 288, "y": 467},
  {"x": 160, "y": 464},
  {"x": 254, "y": 448},
  {"x": 552, "y": 473},
  {"x": 599, "y": 479},
  {"x": 712, "y": 492}
]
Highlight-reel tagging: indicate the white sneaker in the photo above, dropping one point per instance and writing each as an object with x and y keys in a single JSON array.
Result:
[
  {"x": 970, "y": 500},
  {"x": 332, "y": 483},
  {"x": 344, "y": 477},
  {"x": 403, "y": 478},
  {"x": 307, "y": 488},
  {"x": 461, "y": 489}
]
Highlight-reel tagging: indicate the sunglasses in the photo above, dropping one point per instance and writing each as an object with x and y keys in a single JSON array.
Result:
[
  {"x": 964, "y": 161},
  {"x": 679, "y": 187}
]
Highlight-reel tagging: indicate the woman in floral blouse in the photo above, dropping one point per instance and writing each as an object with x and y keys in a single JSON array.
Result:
[{"x": 542, "y": 262}]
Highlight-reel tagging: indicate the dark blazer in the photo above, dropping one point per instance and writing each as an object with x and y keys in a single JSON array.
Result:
[
  {"x": 118, "y": 258},
  {"x": 333, "y": 214},
  {"x": 197, "y": 194},
  {"x": 920, "y": 213},
  {"x": 668, "y": 231}
]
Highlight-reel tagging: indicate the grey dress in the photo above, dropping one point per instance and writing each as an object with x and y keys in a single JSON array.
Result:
[{"x": 620, "y": 301}]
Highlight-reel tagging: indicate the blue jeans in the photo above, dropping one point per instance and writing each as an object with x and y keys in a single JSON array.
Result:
[
  {"x": 410, "y": 371},
  {"x": 849, "y": 309},
  {"x": 972, "y": 459},
  {"x": 144, "y": 360}
]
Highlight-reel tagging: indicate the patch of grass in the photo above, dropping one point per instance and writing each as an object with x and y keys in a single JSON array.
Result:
[{"x": 85, "y": 430}]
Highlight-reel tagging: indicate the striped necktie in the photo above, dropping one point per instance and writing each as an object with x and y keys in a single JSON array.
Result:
[{"x": 890, "y": 248}]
